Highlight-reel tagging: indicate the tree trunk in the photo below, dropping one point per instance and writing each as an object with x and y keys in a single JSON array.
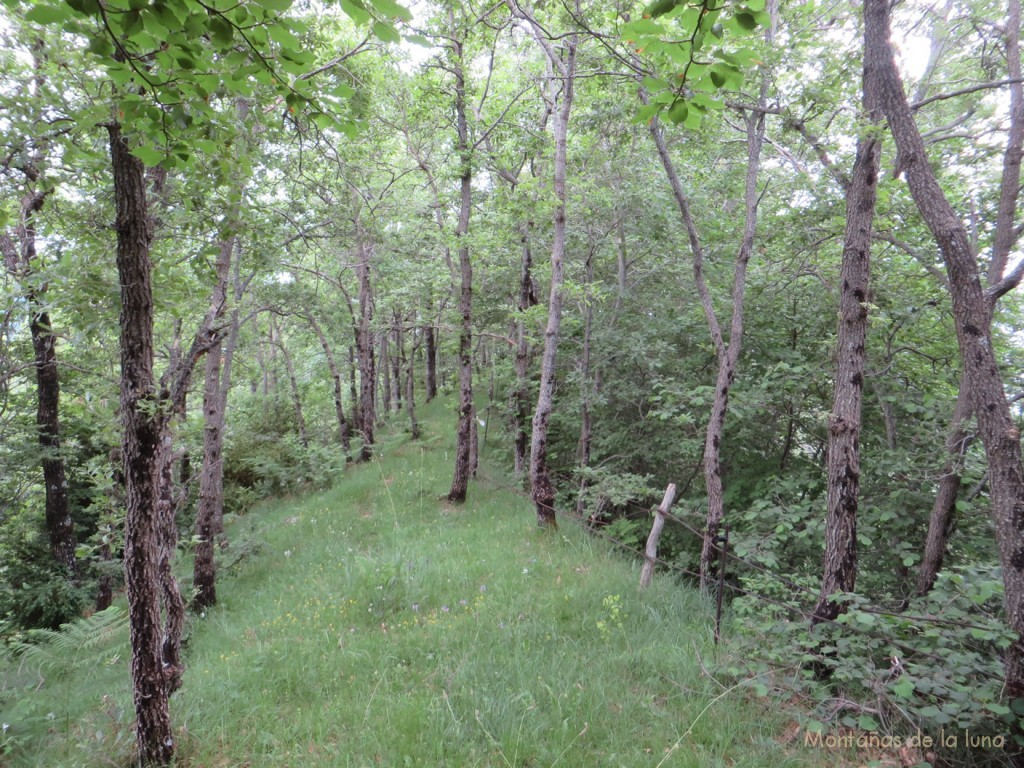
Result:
[
  {"x": 344, "y": 434},
  {"x": 410, "y": 391},
  {"x": 396, "y": 365},
  {"x": 559, "y": 83},
  {"x": 19, "y": 256},
  {"x": 521, "y": 396},
  {"x": 942, "y": 521},
  {"x": 293, "y": 387},
  {"x": 728, "y": 356},
  {"x": 353, "y": 390},
  {"x": 211, "y": 480},
  {"x": 430, "y": 355},
  {"x": 140, "y": 415},
  {"x": 971, "y": 314},
  {"x": 464, "y": 428},
  {"x": 365, "y": 352},
  {"x": 385, "y": 373},
  {"x": 840, "y": 558}
]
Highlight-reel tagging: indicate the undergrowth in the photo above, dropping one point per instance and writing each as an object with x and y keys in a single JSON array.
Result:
[{"x": 374, "y": 624}]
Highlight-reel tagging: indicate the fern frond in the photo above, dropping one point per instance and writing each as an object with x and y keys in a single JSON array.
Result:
[{"x": 80, "y": 643}]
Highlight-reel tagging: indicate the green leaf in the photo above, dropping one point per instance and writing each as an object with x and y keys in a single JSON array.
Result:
[
  {"x": 221, "y": 32},
  {"x": 48, "y": 14},
  {"x": 281, "y": 35},
  {"x": 660, "y": 8},
  {"x": 419, "y": 40},
  {"x": 642, "y": 28},
  {"x": 655, "y": 84},
  {"x": 277, "y": 5},
  {"x": 904, "y": 687},
  {"x": 746, "y": 21},
  {"x": 392, "y": 10},
  {"x": 148, "y": 155},
  {"x": 867, "y": 723},
  {"x": 386, "y": 32},
  {"x": 355, "y": 11},
  {"x": 678, "y": 112}
]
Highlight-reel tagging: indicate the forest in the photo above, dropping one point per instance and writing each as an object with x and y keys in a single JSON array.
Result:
[{"x": 762, "y": 254}]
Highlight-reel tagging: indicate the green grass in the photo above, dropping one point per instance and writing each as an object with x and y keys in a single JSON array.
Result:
[{"x": 375, "y": 625}]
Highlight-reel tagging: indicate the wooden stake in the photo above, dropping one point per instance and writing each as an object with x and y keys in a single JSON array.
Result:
[{"x": 651, "y": 553}]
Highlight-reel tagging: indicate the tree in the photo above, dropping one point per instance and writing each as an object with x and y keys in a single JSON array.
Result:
[
  {"x": 840, "y": 558},
  {"x": 557, "y": 91},
  {"x": 999, "y": 434},
  {"x": 20, "y": 259}
]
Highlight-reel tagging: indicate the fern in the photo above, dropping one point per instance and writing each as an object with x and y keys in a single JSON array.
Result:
[{"x": 86, "y": 642}]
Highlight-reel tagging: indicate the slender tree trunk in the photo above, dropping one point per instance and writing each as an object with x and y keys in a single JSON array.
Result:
[
  {"x": 293, "y": 386},
  {"x": 396, "y": 365},
  {"x": 344, "y": 434},
  {"x": 840, "y": 558},
  {"x": 559, "y": 85},
  {"x": 430, "y": 362},
  {"x": 20, "y": 256},
  {"x": 365, "y": 352},
  {"x": 58, "y": 508},
  {"x": 385, "y": 373},
  {"x": 140, "y": 447},
  {"x": 211, "y": 480},
  {"x": 521, "y": 396},
  {"x": 942, "y": 521},
  {"x": 353, "y": 390},
  {"x": 464, "y": 428},
  {"x": 971, "y": 314},
  {"x": 227, "y": 366},
  {"x": 171, "y": 598},
  {"x": 410, "y": 390}
]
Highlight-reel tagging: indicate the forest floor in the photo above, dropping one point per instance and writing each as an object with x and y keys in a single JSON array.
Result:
[{"x": 374, "y": 624}]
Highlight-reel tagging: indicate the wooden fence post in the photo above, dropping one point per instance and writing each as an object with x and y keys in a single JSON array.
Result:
[{"x": 651, "y": 553}]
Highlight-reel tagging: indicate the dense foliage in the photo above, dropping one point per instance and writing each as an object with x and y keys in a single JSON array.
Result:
[{"x": 321, "y": 147}]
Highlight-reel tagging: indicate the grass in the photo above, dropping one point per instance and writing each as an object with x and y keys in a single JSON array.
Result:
[{"x": 376, "y": 625}]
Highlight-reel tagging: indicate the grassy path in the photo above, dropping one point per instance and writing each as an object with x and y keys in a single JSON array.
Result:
[{"x": 374, "y": 625}]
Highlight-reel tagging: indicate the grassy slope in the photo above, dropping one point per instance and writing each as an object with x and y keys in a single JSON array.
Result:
[{"x": 378, "y": 626}]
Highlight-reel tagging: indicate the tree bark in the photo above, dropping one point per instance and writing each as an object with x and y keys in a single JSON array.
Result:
[
  {"x": 464, "y": 428},
  {"x": 365, "y": 350},
  {"x": 211, "y": 479},
  {"x": 971, "y": 313},
  {"x": 140, "y": 415},
  {"x": 385, "y": 372},
  {"x": 559, "y": 85},
  {"x": 942, "y": 521},
  {"x": 521, "y": 396},
  {"x": 430, "y": 362},
  {"x": 293, "y": 387},
  {"x": 19, "y": 255},
  {"x": 728, "y": 355},
  {"x": 839, "y": 564},
  {"x": 344, "y": 433}
]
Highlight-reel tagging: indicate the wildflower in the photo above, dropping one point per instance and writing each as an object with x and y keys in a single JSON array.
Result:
[
  {"x": 483, "y": 587},
  {"x": 445, "y": 608}
]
